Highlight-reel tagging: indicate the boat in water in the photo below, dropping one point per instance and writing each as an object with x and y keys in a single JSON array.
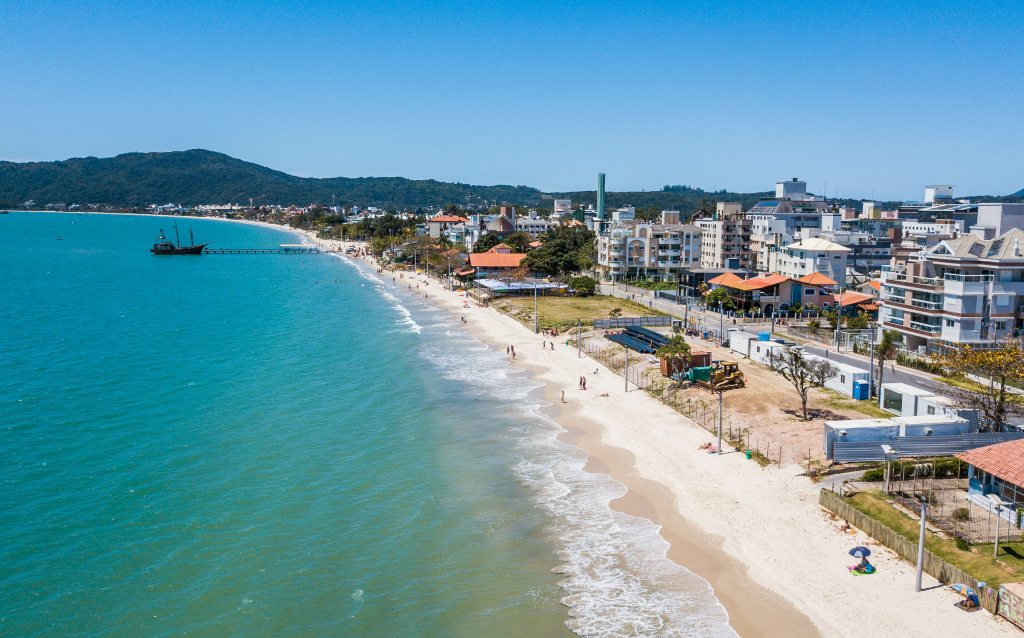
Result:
[{"x": 165, "y": 247}]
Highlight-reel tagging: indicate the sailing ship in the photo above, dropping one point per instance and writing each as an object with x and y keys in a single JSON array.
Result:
[{"x": 166, "y": 247}]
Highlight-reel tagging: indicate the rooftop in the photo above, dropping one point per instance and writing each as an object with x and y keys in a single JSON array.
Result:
[{"x": 1005, "y": 460}]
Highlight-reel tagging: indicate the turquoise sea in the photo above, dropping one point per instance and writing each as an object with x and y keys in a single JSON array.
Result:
[{"x": 268, "y": 445}]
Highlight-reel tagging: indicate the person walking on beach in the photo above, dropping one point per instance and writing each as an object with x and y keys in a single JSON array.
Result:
[
  {"x": 513, "y": 352},
  {"x": 508, "y": 350},
  {"x": 563, "y": 396},
  {"x": 584, "y": 383}
]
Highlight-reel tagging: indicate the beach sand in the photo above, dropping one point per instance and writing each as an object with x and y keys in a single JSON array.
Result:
[{"x": 776, "y": 560}]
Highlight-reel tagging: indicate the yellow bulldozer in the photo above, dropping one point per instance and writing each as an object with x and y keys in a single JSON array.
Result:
[{"x": 724, "y": 375}]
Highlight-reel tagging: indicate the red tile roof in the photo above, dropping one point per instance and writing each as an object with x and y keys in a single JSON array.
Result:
[
  {"x": 877, "y": 285},
  {"x": 1005, "y": 460},
  {"x": 758, "y": 283},
  {"x": 854, "y": 298},
  {"x": 727, "y": 279},
  {"x": 447, "y": 218},
  {"x": 496, "y": 260},
  {"x": 817, "y": 279}
]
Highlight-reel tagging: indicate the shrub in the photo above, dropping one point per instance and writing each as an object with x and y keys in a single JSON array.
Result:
[
  {"x": 874, "y": 475},
  {"x": 962, "y": 544},
  {"x": 962, "y": 514},
  {"x": 584, "y": 286}
]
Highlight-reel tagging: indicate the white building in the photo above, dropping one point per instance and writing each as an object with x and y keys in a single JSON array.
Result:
[
  {"x": 938, "y": 194},
  {"x": 642, "y": 250},
  {"x": 810, "y": 256},
  {"x": 562, "y": 206},
  {"x": 725, "y": 240},
  {"x": 793, "y": 190},
  {"x": 961, "y": 291}
]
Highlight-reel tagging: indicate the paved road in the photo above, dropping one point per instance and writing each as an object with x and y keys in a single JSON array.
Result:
[{"x": 899, "y": 375}]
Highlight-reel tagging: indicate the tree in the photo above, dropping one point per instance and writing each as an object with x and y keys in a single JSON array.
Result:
[
  {"x": 833, "y": 317},
  {"x": 614, "y": 313},
  {"x": 486, "y": 242},
  {"x": 997, "y": 367},
  {"x": 861, "y": 322},
  {"x": 676, "y": 348},
  {"x": 519, "y": 241},
  {"x": 584, "y": 286},
  {"x": 719, "y": 298},
  {"x": 804, "y": 374},
  {"x": 886, "y": 350},
  {"x": 553, "y": 258}
]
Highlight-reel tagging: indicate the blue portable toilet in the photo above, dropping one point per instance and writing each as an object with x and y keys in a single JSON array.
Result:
[
  {"x": 860, "y": 390},
  {"x": 764, "y": 336}
]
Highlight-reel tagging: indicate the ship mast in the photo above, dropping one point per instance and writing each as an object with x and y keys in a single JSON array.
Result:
[{"x": 176, "y": 233}]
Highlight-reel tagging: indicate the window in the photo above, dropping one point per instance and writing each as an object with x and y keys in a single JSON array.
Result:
[
  {"x": 892, "y": 401},
  {"x": 842, "y": 378},
  {"x": 809, "y": 292},
  {"x": 1000, "y": 325},
  {"x": 949, "y": 323}
]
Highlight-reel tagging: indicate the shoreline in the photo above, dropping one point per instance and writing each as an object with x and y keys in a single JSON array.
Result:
[{"x": 775, "y": 560}]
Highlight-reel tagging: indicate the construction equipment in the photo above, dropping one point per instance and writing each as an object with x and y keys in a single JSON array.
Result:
[{"x": 723, "y": 375}]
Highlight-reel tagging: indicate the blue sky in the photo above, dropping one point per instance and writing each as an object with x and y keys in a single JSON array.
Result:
[{"x": 872, "y": 98}]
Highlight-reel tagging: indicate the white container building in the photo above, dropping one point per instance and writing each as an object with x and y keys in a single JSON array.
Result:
[
  {"x": 843, "y": 381},
  {"x": 860, "y": 430},
  {"x": 901, "y": 399},
  {"x": 944, "y": 425}
]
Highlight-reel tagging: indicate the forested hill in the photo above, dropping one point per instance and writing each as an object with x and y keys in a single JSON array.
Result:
[{"x": 204, "y": 177}]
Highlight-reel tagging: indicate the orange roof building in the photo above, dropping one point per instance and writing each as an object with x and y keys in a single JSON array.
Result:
[
  {"x": 997, "y": 469},
  {"x": 817, "y": 279},
  {"x": 496, "y": 260}
]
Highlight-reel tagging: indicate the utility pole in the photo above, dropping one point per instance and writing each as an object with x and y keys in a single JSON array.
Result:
[
  {"x": 535, "y": 315},
  {"x": 625, "y": 373},
  {"x": 920, "y": 545},
  {"x": 721, "y": 323},
  {"x": 579, "y": 338},
  {"x": 719, "y": 421},
  {"x": 871, "y": 367}
]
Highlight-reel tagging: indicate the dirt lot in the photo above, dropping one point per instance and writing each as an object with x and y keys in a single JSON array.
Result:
[{"x": 767, "y": 409}]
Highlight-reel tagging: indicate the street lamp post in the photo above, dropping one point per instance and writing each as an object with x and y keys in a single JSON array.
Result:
[
  {"x": 719, "y": 421},
  {"x": 920, "y": 544}
]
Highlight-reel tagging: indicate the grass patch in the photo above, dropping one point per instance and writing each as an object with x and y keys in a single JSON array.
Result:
[
  {"x": 869, "y": 408},
  {"x": 982, "y": 566},
  {"x": 964, "y": 384},
  {"x": 564, "y": 311}
]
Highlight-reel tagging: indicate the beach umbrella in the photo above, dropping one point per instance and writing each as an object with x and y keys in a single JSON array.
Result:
[
  {"x": 963, "y": 590},
  {"x": 860, "y": 552}
]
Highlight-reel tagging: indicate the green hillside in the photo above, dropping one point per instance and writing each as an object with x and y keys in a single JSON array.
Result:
[{"x": 204, "y": 177}]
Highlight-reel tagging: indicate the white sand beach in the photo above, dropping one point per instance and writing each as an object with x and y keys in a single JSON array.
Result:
[{"x": 775, "y": 559}]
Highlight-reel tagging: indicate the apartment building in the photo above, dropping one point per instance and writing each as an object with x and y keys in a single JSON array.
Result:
[
  {"x": 966, "y": 290},
  {"x": 808, "y": 256},
  {"x": 725, "y": 238},
  {"x": 660, "y": 252}
]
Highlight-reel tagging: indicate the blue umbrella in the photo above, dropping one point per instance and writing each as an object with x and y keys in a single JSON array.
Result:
[
  {"x": 860, "y": 552},
  {"x": 963, "y": 589}
]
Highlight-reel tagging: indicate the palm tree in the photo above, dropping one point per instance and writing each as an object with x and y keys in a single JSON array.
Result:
[{"x": 886, "y": 351}]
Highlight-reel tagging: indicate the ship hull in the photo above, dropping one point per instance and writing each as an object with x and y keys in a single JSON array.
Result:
[{"x": 184, "y": 250}]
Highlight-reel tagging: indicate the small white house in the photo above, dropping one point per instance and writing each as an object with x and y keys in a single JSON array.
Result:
[
  {"x": 751, "y": 347},
  {"x": 944, "y": 425},
  {"x": 843, "y": 381},
  {"x": 859, "y": 430},
  {"x": 901, "y": 399}
]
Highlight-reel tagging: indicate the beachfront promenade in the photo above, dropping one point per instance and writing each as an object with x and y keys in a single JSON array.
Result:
[{"x": 776, "y": 560}]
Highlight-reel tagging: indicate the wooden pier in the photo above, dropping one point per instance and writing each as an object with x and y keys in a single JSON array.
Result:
[{"x": 284, "y": 249}]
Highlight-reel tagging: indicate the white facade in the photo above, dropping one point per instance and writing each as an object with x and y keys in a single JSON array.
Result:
[
  {"x": 793, "y": 189},
  {"x": 843, "y": 381},
  {"x": 938, "y": 194},
  {"x": 562, "y": 206},
  {"x": 813, "y": 255},
  {"x": 655, "y": 251},
  {"x": 961, "y": 291},
  {"x": 626, "y": 213},
  {"x": 535, "y": 226}
]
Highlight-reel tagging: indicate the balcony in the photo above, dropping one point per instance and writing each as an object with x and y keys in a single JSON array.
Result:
[
  {"x": 893, "y": 321},
  {"x": 670, "y": 253},
  {"x": 928, "y": 281},
  {"x": 968, "y": 279},
  {"x": 929, "y": 305},
  {"x": 895, "y": 299},
  {"x": 925, "y": 327}
]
